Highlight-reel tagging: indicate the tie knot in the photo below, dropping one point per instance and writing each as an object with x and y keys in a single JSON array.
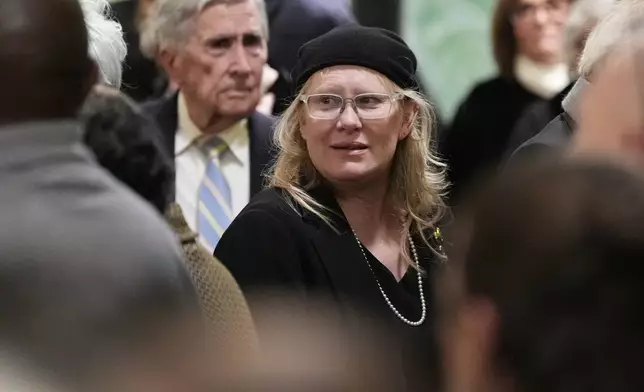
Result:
[{"x": 214, "y": 146}]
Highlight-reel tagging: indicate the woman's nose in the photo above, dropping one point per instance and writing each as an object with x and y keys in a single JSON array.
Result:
[{"x": 349, "y": 118}]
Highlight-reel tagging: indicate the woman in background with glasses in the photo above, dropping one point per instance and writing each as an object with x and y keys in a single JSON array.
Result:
[
  {"x": 527, "y": 38},
  {"x": 355, "y": 196}
]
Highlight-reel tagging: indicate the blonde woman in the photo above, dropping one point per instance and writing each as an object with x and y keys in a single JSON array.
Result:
[{"x": 355, "y": 192}]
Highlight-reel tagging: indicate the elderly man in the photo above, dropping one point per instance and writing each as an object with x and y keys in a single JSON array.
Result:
[
  {"x": 214, "y": 51},
  {"x": 608, "y": 35}
]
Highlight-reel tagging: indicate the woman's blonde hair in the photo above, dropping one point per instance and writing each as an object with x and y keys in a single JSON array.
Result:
[{"x": 417, "y": 179}]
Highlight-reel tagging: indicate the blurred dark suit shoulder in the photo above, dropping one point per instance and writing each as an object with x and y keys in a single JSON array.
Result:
[
  {"x": 552, "y": 139},
  {"x": 534, "y": 119}
]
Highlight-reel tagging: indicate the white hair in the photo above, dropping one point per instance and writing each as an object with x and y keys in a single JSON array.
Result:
[
  {"x": 106, "y": 43},
  {"x": 169, "y": 22},
  {"x": 584, "y": 15},
  {"x": 624, "y": 22}
]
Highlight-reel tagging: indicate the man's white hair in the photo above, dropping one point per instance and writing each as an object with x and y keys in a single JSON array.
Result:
[
  {"x": 623, "y": 24},
  {"x": 584, "y": 15},
  {"x": 106, "y": 43},
  {"x": 169, "y": 22}
]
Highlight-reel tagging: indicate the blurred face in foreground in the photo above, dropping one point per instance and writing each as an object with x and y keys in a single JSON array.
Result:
[{"x": 171, "y": 358}]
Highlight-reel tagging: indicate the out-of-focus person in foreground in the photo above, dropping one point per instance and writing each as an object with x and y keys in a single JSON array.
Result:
[
  {"x": 312, "y": 351},
  {"x": 214, "y": 51},
  {"x": 124, "y": 142},
  {"x": 544, "y": 285},
  {"x": 90, "y": 275},
  {"x": 355, "y": 195}
]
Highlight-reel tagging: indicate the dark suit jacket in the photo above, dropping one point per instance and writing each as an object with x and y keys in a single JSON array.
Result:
[
  {"x": 270, "y": 246},
  {"x": 534, "y": 119},
  {"x": 551, "y": 139},
  {"x": 260, "y": 128}
]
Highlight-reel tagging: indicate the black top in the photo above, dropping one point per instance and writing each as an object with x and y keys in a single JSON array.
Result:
[
  {"x": 482, "y": 125},
  {"x": 271, "y": 245}
]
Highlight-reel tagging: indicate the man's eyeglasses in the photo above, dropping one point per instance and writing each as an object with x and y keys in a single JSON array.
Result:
[{"x": 368, "y": 106}]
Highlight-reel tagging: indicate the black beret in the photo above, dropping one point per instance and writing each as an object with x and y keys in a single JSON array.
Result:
[{"x": 370, "y": 47}]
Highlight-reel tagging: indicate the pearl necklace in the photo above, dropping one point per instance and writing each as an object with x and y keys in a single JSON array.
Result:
[{"x": 384, "y": 295}]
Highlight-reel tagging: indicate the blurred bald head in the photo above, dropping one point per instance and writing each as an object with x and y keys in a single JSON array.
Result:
[{"x": 43, "y": 59}]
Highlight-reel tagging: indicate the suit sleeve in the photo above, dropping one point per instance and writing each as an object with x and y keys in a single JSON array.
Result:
[
  {"x": 527, "y": 153},
  {"x": 261, "y": 253}
]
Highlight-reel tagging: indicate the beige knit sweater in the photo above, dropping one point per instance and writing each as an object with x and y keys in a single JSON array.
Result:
[{"x": 222, "y": 300}]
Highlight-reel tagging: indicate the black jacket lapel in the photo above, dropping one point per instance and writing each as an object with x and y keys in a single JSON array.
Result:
[
  {"x": 348, "y": 271},
  {"x": 164, "y": 111}
]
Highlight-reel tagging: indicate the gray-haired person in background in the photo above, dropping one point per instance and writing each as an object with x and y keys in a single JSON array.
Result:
[
  {"x": 214, "y": 52},
  {"x": 106, "y": 44}
]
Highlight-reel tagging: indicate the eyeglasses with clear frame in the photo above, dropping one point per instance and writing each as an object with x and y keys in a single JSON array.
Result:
[
  {"x": 369, "y": 106},
  {"x": 556, "y": 8}
]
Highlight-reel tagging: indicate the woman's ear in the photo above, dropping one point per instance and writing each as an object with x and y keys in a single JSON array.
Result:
[{"x": 410, "y": 111}]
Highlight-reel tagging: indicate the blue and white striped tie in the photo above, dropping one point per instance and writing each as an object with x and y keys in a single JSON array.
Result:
[{"x": 215, "y": 200}]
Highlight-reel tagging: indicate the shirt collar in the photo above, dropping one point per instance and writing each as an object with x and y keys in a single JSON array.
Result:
[
  {"x": 571, "y": 103},
  {"x": 235, "y": 137}
]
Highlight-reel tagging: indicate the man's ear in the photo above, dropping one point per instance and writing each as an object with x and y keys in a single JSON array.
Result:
[
  {"x": 410, "y": 111},
  {"x": 170, "y": 63}
]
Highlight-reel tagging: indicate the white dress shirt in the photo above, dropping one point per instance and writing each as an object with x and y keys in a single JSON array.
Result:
[{"x": 191, "y": 163}]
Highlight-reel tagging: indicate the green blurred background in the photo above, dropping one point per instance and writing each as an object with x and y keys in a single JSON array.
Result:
[{"x": 452, "y": 41}]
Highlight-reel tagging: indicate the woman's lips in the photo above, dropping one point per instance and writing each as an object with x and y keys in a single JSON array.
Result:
[{"x": 351, "y": 146}]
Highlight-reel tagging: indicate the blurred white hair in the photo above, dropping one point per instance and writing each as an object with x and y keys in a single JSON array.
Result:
[
  {"x": 169, "y": 22},
  {"x": 623, "y": 24},
  {"x": 106, "y": 43},
  {"x": 584, "y": 15}
]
